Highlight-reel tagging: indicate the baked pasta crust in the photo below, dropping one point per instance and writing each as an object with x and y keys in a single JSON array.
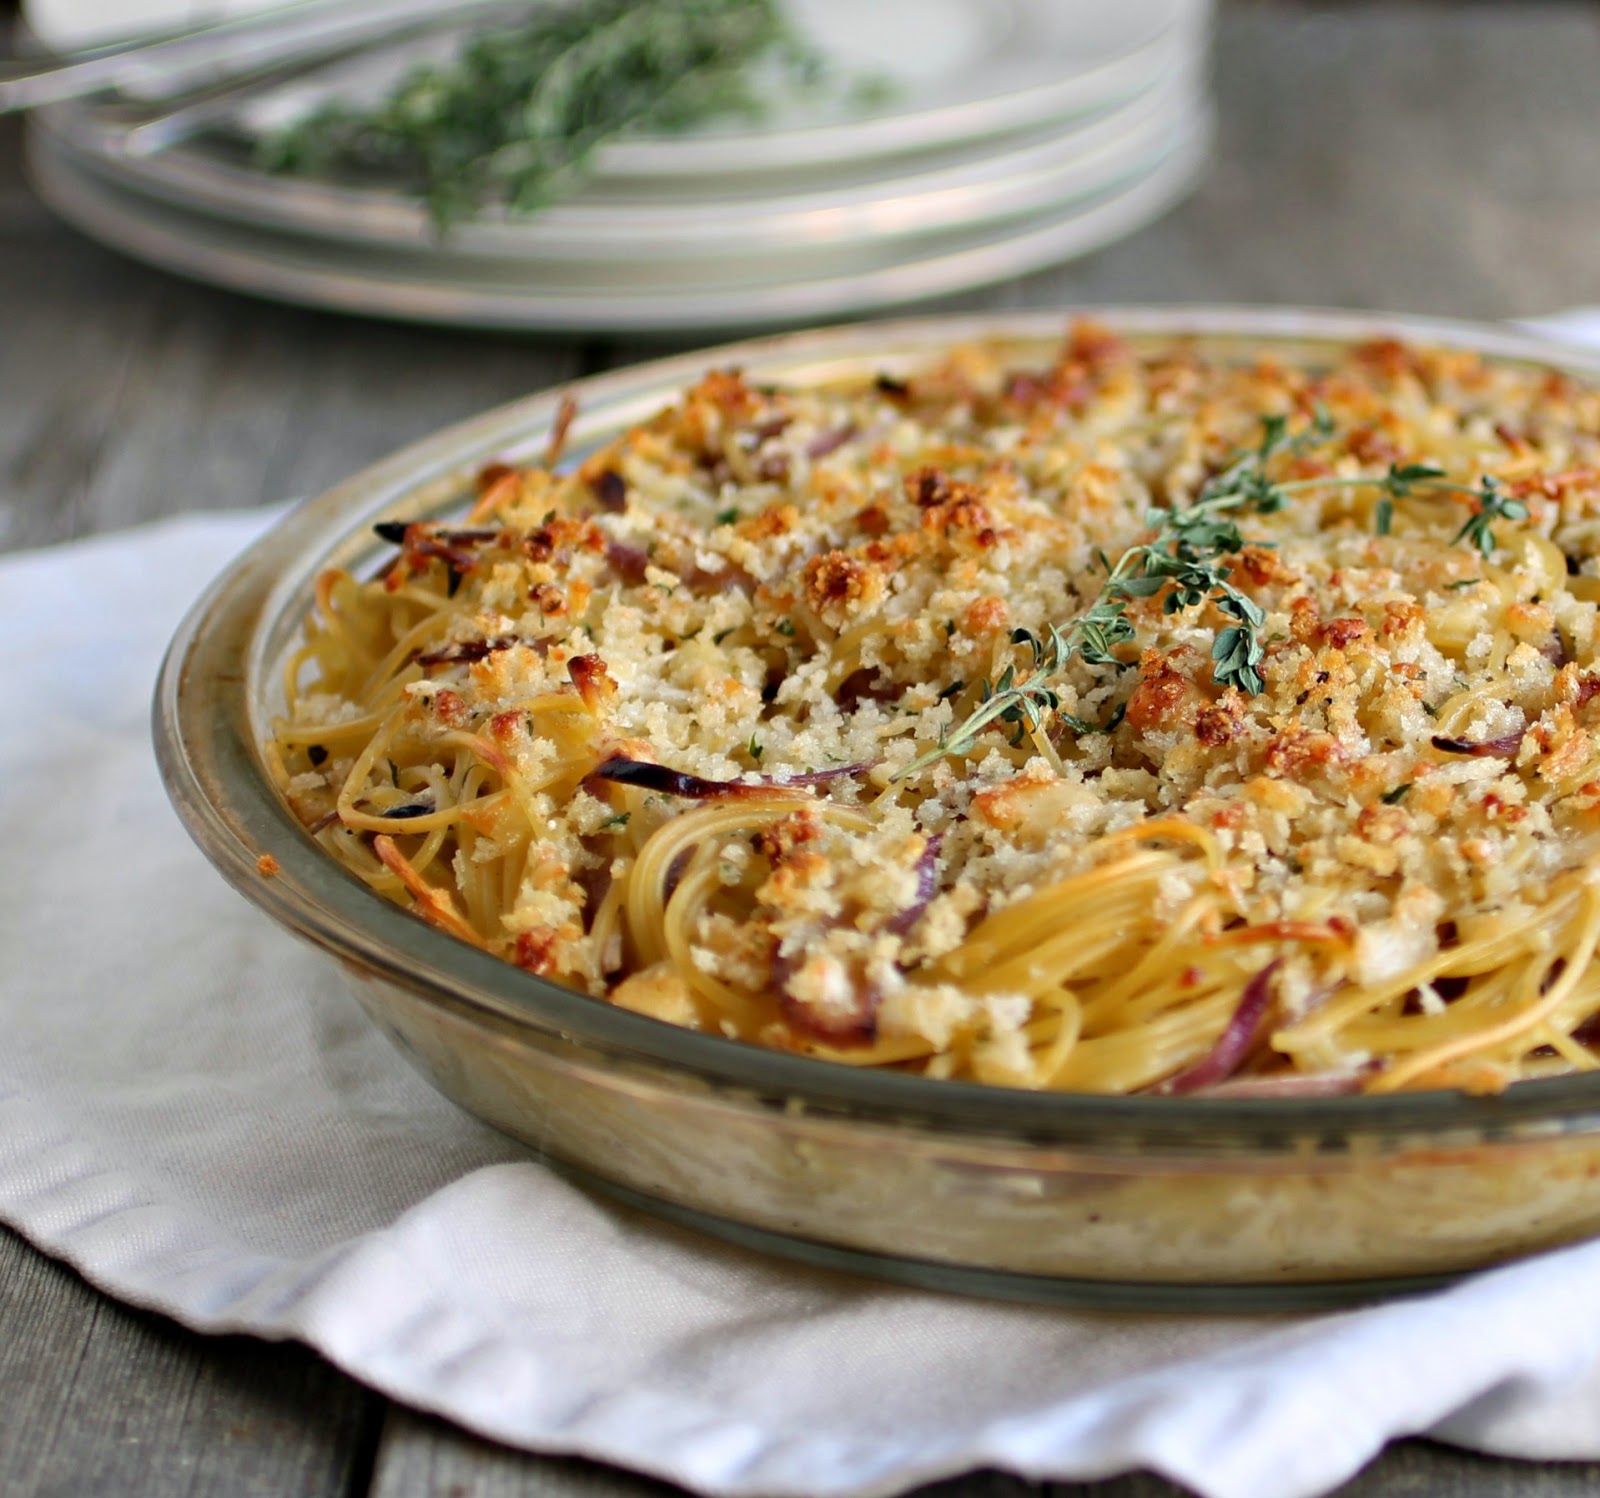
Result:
[{"x": 664, "y": 725}]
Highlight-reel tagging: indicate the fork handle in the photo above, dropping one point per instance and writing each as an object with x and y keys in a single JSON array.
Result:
[{"x": 172, "y": 65}]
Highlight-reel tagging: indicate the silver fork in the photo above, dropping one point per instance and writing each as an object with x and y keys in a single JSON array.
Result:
[{"x": 170, "y": 67}]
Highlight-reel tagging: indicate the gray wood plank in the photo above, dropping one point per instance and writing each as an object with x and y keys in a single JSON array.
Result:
[
  {"x": 126, "y": 394},
  {"x": 1424, "y": 1469},
  {"x": 419, "y": 1456},
  {"x": 60, "y": 376},
  {"x": 96, "y": 1398},
  {"x": 1426, "y": 158},
  {"x": 172, "y": 398}
]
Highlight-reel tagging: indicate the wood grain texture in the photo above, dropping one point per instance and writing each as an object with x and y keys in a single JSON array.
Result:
[
  {"x": 1386, "y": 155},
  {"x": 418, "y": 1455},
  {"x": 126, "y": 394},
  {"x": 1420, "y": 158},
  {"x": 99, "y": 1399}
]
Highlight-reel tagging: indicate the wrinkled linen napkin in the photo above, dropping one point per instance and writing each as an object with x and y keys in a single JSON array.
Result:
[{"x": 196, "y": 1115}]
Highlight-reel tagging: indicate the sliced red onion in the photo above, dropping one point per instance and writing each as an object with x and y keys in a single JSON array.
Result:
[
  {"x": 649, "y": 777},
  {"x": 400, "y": 532},
  {"x": 406, "y": 813},
  {"x": 668, "y": 782},
  {"x": 675, "y": 872},
  {"x": 829, "y": 442},
  {"x": 862, "y": 685},
  {"x": 458, "y": 558},
  {"x": 819, "y": 777},
  {"x": 1504, "y": 747},
  {"x": 774, "y": 426},
  {"x": 610, "y": 489},
  {"x": 1587, "y": 1031},
  {"x": 473, "y": 536},
  {"x": 628, "y": 562},
  {"x": 856, "y": 1025},
  {"x": 727, "y": 579},
  {"x": 927, "y": 887},
  {"x": 594, "y": 881},
  {"x": 1233, "y": 1045},
  {"x": 476, "y": 650}
]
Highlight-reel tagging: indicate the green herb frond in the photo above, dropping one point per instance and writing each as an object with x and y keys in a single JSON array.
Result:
[
  {"x": 1185, "y": 562},
  {"x": 517, "y": 116}
]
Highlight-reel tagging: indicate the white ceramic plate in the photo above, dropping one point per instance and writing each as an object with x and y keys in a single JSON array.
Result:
[
  {"x": 1002, "y": 182},
  {"x": 65, "y": 25},
  {"x": 957, "y": 71},
  {"x": 417, "y": 287}
]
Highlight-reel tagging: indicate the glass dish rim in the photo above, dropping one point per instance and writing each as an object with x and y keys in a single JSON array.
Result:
[{"x": 210, "y": 762}]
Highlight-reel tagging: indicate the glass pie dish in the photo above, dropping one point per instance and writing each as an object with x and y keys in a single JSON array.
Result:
[{"x": 1152, "y": 1202}]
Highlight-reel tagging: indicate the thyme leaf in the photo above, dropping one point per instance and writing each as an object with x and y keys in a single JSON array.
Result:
[
  {"x": 1185, "y": 561},
  {"x": 1082, "y": 726},
  {"x": 1493, "y": 504}
]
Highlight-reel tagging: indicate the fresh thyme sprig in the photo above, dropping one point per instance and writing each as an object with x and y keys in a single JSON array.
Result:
[
  {"x": 1493, "y": 504},
  {"x": 1397, "y": 484},
  {"x": 1185, "y": 557},
  {"x": 517, "y": 116},
  {"x": 1400, "y": 483}
]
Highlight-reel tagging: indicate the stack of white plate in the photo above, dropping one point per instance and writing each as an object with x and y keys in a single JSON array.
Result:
[{"x": 1014, "y": 134}]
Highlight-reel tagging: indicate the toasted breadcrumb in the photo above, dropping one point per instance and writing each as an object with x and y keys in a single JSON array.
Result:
[{"x": 761, "y": 583}]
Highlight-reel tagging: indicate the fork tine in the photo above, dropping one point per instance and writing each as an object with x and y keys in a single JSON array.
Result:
[{"x": 172, "y": 66}]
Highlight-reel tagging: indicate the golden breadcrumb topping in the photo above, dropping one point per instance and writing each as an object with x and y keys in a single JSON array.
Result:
[{"x": 682, "y": 724}]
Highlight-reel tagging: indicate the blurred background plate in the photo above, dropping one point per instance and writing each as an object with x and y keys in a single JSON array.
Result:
[
  {"x": 1013, "y": 134},
  {"x": 945, "y": 72},
  {"x": 1024, "y": 175},
  {"x": 417, "y": 286},
  {"x": 71, "y": 25}
]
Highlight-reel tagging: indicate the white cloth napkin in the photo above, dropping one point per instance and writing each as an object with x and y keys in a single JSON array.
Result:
[{"x": 196, "y": 1115}]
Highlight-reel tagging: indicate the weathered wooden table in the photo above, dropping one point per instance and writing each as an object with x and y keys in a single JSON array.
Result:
[{"x": 1433, "y": 158}]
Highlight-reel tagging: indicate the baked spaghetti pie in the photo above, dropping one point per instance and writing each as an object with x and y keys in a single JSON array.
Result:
[{"x": 1139, "y": 722}]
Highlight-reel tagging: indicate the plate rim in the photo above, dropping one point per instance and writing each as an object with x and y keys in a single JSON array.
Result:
[
  {"x": 1094, "y": 85},
  {"x": 188, "y": 178},
  {"x": 1085, "y": 227},
  {"x": 1172, "y": 26}
]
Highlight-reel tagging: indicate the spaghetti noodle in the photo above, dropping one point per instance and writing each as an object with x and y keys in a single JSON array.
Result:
[{"x": 677, "y": 725}]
